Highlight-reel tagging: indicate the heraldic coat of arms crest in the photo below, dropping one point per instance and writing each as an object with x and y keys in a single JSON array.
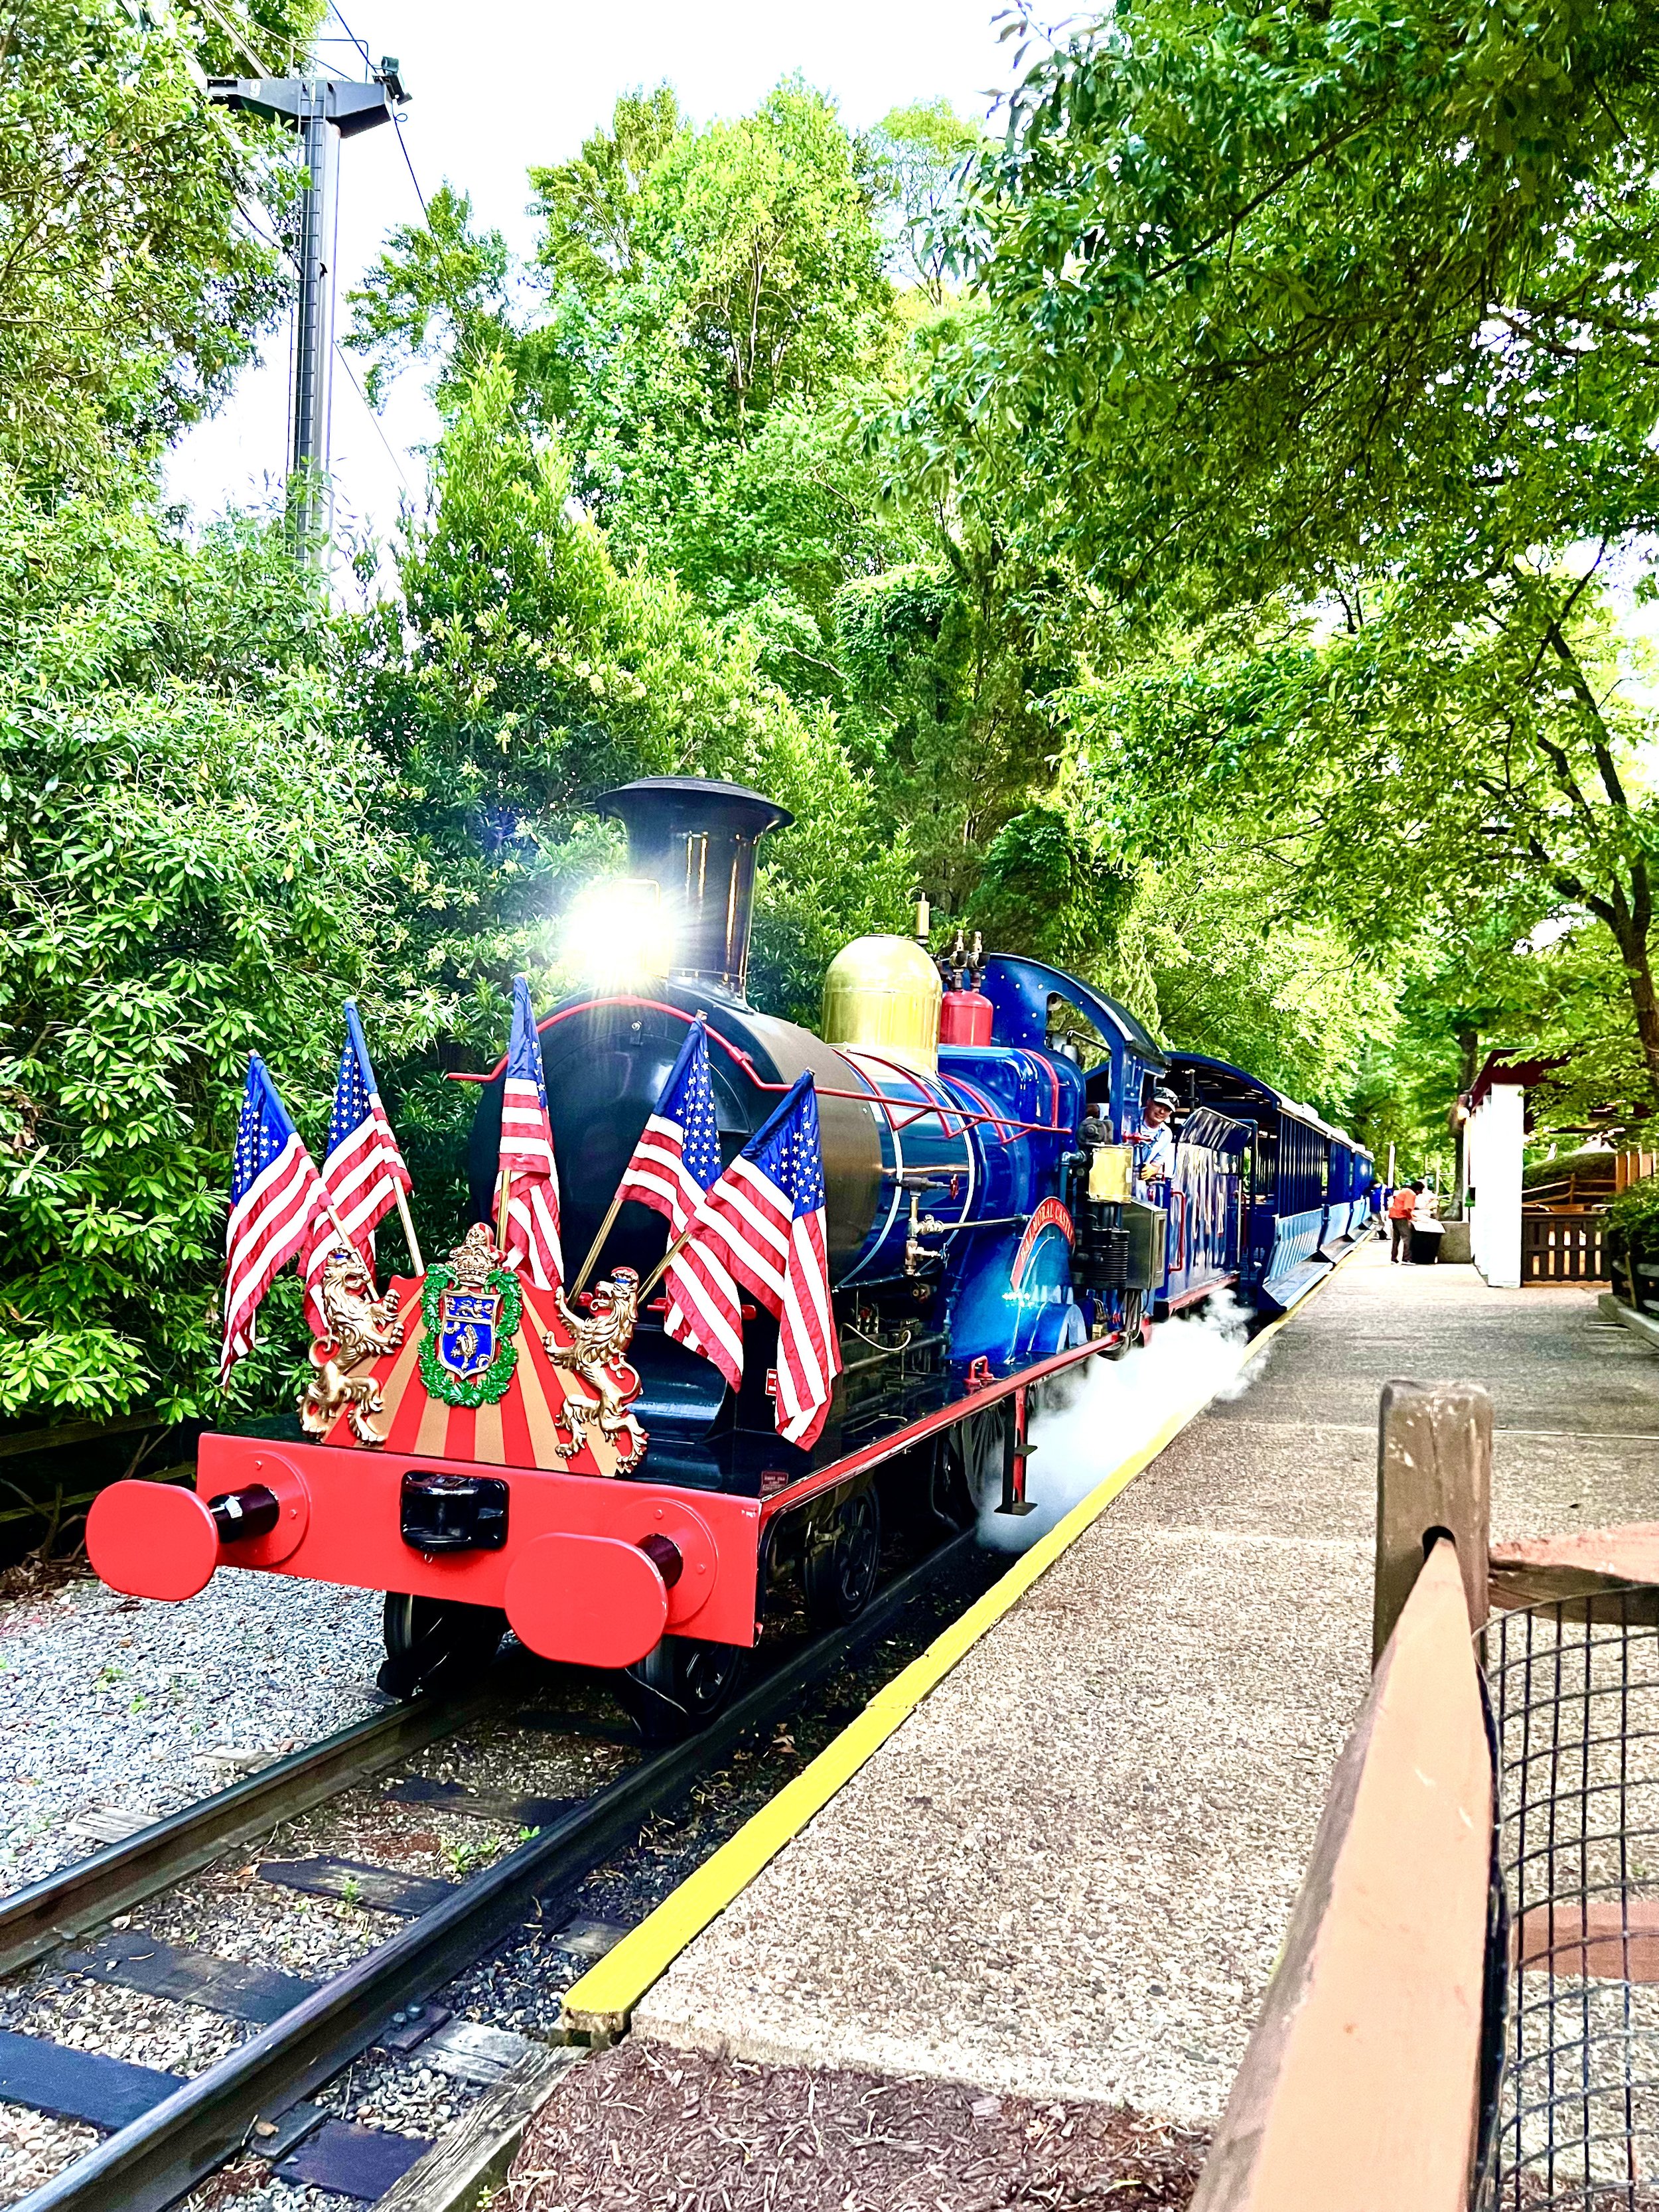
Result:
[{"x": 471, "y": 1310}]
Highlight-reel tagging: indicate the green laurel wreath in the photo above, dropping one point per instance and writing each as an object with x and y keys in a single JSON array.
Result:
[{"x": 489, "y": 1388}]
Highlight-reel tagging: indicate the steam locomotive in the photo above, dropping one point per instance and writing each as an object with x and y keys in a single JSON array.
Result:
[{"x": 987, "y": 1232}]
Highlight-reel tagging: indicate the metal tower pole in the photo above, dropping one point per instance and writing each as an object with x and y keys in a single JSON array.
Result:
[
  {"x": 311, "y": 387},
  {"x": 321, "y": 111}
]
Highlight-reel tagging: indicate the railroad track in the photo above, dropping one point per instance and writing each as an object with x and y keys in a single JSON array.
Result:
[
  {"x": 244, "y": 2099},
  {"x": 45, "y": 1915}
]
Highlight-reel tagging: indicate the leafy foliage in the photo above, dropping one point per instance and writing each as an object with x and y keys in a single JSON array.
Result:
[
  {"x": 193, "y": 868},
  {"x": 1320, "y": 310},
  {"x": 922, "y": 155},
  {"x": 129, "y": 289},
  {"x": 1326, "y": 274},
  {"x": 590, "y": 206},
  {"x": 1632, "y": 1229},
  {"x": 439, "y": 288}
]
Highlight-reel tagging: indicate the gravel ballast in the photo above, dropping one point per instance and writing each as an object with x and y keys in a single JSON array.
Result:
[{"x": 110, "y": 1700}]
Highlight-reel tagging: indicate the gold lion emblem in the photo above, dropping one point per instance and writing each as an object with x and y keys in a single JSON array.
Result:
[
  {"x": 599, "y": 1381},
  {"x": 361, "y": 1327}
]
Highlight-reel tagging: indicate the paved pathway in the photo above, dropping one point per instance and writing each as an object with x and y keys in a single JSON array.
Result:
[{"x": 1069, "y": 1873}]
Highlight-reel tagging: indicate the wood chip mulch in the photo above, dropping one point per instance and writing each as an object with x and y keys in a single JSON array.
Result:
[
  {"x": 643, "y": 2125},
  {"x": 35, "y": 1578}
]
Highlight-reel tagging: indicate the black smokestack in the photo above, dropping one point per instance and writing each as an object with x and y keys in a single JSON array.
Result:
[{"x": 697, "y": 842}]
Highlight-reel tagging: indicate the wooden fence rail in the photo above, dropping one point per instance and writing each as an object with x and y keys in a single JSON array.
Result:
[
  {"x": 1357, "y": 2093},
  {"x": 1564, "y": 1248},
  {"x": 1360, "y": 2087}
]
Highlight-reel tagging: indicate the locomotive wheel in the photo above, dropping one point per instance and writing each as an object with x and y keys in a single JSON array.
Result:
[
  {"x": 680, "y": 1687},
  {"x": 840, "y": 1567},
  {"x": 973, "y": 1464},
  {"x": 435, "y": 1644},
  {"x": 1134, "y": 1325}
]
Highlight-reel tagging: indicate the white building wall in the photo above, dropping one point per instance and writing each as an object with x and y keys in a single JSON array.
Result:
[{"x": 1494, "y": 1141}]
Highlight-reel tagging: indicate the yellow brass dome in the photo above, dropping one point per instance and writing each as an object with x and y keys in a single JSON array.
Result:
[{"x": 882, "y": 995}]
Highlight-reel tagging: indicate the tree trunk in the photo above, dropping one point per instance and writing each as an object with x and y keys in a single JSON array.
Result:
[
  {"x": 1468, "y": 1058},
  {"x": 1637, "y": 956}
]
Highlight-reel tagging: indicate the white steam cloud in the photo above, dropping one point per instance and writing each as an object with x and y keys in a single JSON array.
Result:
[{"x": 1111, "y": 1408}]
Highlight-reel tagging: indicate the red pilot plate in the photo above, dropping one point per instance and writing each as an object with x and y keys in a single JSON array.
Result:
[
  {"x": 592, "y": 1600},
  {"x": 152, "y": 1540}
]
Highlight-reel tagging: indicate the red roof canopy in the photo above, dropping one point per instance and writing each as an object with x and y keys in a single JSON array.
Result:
[{"x": 1503, "y": 1066}]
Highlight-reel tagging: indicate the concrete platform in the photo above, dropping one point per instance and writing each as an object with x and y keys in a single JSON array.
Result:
[{"x": 1068, "y": 1874}]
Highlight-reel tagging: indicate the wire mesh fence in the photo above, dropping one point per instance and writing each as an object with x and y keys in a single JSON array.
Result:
[{"x": 1571, "y": 2097}]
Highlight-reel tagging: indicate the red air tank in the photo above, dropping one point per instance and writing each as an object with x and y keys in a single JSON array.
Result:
[{"x": 964, "y": 1018}]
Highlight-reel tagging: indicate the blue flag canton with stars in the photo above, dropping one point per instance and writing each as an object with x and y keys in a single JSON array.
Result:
[
  {"x": 689, "y": 1100},
  {"x": 524, "y": 1051},
  {"x": 790, "y": 1156},
  {"x": 350, "y": 1097},
  {"x": 261, "y": 1134}
]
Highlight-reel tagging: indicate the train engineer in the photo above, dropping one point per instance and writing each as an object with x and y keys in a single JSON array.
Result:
[{"x": 1155, "y": 1151}]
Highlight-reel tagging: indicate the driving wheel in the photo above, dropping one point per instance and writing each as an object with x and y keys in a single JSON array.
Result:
[
  {"x": 436, "y": 1644},
  {"x": 843, "y": 1559},
  {"x": 679, "y": 1687}
]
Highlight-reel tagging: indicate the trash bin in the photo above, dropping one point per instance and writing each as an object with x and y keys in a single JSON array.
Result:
[{"x": 1425, "y": 1245}]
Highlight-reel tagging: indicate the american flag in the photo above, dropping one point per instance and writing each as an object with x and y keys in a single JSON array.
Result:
[
  {"x": 675, "y": 1163},
  {"x": 526, "y": 1155},
  {"x": 363, "y": 1170},
  {"x": 767, "y": 1213},
  {"x": 276, "y": 1194}
]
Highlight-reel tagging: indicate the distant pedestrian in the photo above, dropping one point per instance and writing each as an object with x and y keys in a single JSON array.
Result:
[
  {"x": 1427, "y": 1228},
  {"x": 1401, "y": 1207}
]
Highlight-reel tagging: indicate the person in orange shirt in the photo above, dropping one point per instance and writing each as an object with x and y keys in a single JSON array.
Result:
[{"x": 1401, "y": 1207}]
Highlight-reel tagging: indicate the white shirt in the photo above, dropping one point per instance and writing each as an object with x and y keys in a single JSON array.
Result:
[{"x": 1155, "y": 1151}]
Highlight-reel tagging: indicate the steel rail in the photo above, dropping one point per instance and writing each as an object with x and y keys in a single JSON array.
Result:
[
  {"x": 173, "y": 2147},
  {"x": 44, "y": 1914}
]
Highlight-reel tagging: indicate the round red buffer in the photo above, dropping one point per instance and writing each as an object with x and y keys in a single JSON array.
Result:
[
  {"x": 590, "y": 1598},
  {"x": 152, "y": 1540}
]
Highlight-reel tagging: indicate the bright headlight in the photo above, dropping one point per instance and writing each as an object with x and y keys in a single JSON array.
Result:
[{"x": 618, "y": 934}]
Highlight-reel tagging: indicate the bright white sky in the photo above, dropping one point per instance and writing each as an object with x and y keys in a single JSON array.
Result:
[{"x": 499, "y": 84}]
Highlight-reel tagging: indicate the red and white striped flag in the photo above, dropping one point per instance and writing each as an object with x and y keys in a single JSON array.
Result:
[
  {"x": 363, "y": 1170},
  {"x": 677, "y": 1161},
  {"x": 526, "y": 1155},
  {"x": 765, "y": 1218},
  {"x": 275, "y": 1194}
]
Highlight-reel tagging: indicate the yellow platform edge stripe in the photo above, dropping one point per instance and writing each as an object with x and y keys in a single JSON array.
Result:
[{"x": 601, "y": 2001}]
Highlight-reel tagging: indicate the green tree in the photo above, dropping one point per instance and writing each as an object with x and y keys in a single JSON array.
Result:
[
  {"x": 762, "y": 254},
  {"x": 922, "y": 156},
  {"x": 1320, "y": 276},
  {"x": 193, "y": 865},
  {"x": 439, "y": 289},
  {"x": 590, "y": 207},
  {"x": 130, "y": 288},
  {"x": 522, "y": 673},
  {"x": 1442, "y": 764},
  {"x": 1315, "y": 309}
]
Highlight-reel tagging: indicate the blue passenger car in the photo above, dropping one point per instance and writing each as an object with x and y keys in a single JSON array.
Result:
[
  {"x": 1287, "y": 1177},
  {"x": 1353, "y": 1176}
]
